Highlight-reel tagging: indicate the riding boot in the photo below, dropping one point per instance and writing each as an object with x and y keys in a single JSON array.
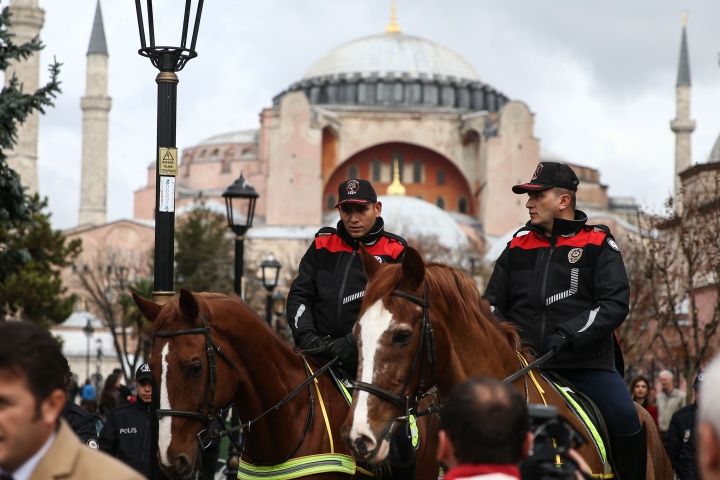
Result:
[
  {"x": 630, "y": 455},
  {"x": 402, "y": 455}
]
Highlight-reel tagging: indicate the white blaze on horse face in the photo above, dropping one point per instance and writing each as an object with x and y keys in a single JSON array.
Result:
[
  {"x": 164, "y": 430},
  {"x": 375, "y": 321}
]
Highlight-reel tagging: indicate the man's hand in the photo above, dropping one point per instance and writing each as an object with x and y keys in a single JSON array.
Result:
[
  {"x": 554, "y": 342},
  {"x": 344, "y": 348},
  {"x": 311, "y": 343}
]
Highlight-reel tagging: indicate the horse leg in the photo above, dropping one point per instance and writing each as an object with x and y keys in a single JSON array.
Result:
[{"x": 658, "y": 463}]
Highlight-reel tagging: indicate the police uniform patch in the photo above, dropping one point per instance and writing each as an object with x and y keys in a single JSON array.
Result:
[
  {"x": 574, "y": 255},
  {"x": 92, "y": 443},
  {"x": 379, "y": 258},
  {"x": 612, "y": 244}
]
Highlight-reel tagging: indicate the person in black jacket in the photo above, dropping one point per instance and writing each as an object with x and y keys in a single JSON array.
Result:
[
  {"x": 81, "y": 422},
  {"x": 680, "y": 438},
  {"x": 324, "y": 299},
  {"x": 126, "y": 433},
  {"x": 563, "y": 284}
]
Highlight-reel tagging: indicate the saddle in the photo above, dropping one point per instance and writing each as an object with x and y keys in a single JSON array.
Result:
[{"x": 588, "y": 413}]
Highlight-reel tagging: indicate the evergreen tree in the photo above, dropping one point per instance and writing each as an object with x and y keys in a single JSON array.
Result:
[
  {"x": 203, "y": 258},
  {"x": 31, "y": 253}
]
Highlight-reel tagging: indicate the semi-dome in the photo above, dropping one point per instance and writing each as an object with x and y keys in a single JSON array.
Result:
[{"x": 393, "y": 53}]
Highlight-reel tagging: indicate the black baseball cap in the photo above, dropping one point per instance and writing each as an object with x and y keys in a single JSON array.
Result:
[
  {"x": 356, "y": 191},
  {"x": 548, "y": 175},
  {"x": 143, "y": 373}
]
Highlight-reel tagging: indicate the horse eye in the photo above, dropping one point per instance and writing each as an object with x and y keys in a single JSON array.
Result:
[
  {"x": 194, "y": 369},
  {"x": 401, "y": 337}
]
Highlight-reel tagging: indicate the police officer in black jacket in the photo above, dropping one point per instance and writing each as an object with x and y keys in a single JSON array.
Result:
[
  {"x": 563, "y": 284},
  {"x": 126, "y": 433},
  {"x": 79, "y": 419},
  {"x": 324, "y": 300},
  {"x": 680, "y": 438}
]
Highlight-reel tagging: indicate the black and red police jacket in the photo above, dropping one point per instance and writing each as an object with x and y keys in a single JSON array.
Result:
[
  {"x": 573, "y": 281},
  {"x": 326, "y": 295}
]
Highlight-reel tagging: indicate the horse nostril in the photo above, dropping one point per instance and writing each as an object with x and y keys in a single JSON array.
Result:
[
  {"x": 363, "y": 444},
  {"x": 182, "y": 465}
]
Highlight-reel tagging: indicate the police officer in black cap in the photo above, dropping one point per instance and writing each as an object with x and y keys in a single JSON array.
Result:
[
  {"x": 680, "y": 437},
  {"x": 324, "y": 299},
  {"x": 563, "y": 284},
  {"x": 126, "y": 433}
]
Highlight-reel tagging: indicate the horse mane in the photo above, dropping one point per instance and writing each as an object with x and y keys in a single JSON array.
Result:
[{"x": 459, "y": 294}]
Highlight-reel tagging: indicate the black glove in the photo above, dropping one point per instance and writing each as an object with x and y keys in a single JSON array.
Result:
[
  {"x": 312, "y": 343},
  {"x": 555, "y": 342},
  {"x": 344, "y": 348}
]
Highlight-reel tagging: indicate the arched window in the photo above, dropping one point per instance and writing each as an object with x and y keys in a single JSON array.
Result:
[
  {"x": 353, "y": 172},
  {"x": 330, "y": 202},
  {"x": 417, "y": 171},
  {"x": 441, "y": 177},
  {"x": 440, "y": 202},
  {"x": 462, "y": 205},
  {"x": 376, "y": 170}
]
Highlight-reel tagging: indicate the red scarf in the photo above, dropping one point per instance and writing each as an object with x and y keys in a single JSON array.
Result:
[{"x": 470, "y": 470}]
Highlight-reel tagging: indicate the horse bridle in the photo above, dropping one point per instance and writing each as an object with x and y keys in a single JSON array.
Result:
[
  {"x": 211, "y": 415},
  {"x": 424, "y": 353}
]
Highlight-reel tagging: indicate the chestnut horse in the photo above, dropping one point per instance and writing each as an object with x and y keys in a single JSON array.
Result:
[
  {"x": 211, "y": 351},
  {"x": 427, "y": 325}
]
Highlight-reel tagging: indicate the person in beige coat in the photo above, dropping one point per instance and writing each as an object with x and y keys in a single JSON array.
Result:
[{"x": 35, "y": 443}]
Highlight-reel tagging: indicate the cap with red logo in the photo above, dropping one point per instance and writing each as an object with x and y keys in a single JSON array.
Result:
[
  {"x": 356, "y": 191},
  {"x": 548, "y": 175}
]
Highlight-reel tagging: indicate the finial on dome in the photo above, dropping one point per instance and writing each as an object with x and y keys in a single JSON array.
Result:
[
  {"x": 684, "y": 19},
  {"x": 393, "y": 26},
  {"x": 396, "y": 188}
]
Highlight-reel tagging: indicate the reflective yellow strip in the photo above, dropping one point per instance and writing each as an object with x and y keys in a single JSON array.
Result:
[
  {"x": 586, "y": 420},
  {"x": 299, "y": 467}
]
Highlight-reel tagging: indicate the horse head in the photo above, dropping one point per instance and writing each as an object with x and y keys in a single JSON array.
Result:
[
  {"x": 389, "y": 335},
  {"x": 188, "y": 356}
]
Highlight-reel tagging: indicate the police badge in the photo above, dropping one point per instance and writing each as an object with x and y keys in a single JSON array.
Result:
[{"x": 574, "y": 255}]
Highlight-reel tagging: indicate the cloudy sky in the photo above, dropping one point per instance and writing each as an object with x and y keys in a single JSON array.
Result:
[{"x": 599, "y": 76}]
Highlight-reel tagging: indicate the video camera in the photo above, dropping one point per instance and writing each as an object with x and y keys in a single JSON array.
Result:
[{"x": 553, "y": 438}]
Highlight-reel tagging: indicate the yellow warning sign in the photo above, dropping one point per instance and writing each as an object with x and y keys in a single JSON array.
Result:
[{"x": 168, "y": 161}]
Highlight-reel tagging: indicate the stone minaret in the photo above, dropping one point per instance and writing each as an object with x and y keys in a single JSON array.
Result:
[
  {"x": 25, "y": 23},
  {"x": 95, "y": 106},
  {"x": 682, "y": 125}
]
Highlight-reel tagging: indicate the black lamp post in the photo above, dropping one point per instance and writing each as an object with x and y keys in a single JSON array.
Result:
[
  {"x": 270, "y": 272},
  {"x": 168, "y": 60},
  {"x": 240, "y": 198},
  {"x": 98, "y": 360},
  {"x": 88, "y": 330}
]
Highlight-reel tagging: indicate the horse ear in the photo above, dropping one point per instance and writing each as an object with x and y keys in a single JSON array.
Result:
[
  {"x": 413, "y": 268},
  {"x": 188, "y": 304},
  {"x": 370, "y": 263},
  {"x": 148, "y": 308}
]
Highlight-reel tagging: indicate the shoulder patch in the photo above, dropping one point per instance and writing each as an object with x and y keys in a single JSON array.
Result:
[
  {"x": 612, "y": 244},
  {"x": 92, "y": 443},
  {"x": 325, "y": 231}
]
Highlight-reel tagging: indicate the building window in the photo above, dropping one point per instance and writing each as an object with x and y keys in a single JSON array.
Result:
[
  {"x": 441, "y": 177},
  {"x": 353, "y": 172},
  {"x": 462, "y": 205},
  {"x": 440, "y": 202},
  {"x": 376, "y": 170},
  {"x": 417, "y": 171},
  {"x": 330, "y": 202}
]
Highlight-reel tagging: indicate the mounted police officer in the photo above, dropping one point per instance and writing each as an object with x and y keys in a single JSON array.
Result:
[
  {"x": 126, "y": 433},
  {"x": 563, "y": 284},
  {"x": 324, "y": 300}
]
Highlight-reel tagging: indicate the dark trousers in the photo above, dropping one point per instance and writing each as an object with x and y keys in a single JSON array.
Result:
[{"x": 609, "y": 392}]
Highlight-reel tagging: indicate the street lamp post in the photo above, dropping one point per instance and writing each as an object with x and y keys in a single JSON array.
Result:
[
  {"x": 98, "y": 360},
  {"x": 168, "y": 60},
  {"x": 88, "y": 330},
  {"x": 240, "y": 198},
  {"x": 270, "y": 272}
]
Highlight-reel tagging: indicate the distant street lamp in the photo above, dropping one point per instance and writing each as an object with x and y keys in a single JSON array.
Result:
[
  {"x": 88, "y": 330},
  {"x": 168, "y": 60},
  {"x": 98, "y": 360},
  {"x": 270, "y": 272},
  {"x": 240, "y": 198}
]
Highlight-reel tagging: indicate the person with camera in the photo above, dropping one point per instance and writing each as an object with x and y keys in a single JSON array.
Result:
[{"x": 563, "y": 284}]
